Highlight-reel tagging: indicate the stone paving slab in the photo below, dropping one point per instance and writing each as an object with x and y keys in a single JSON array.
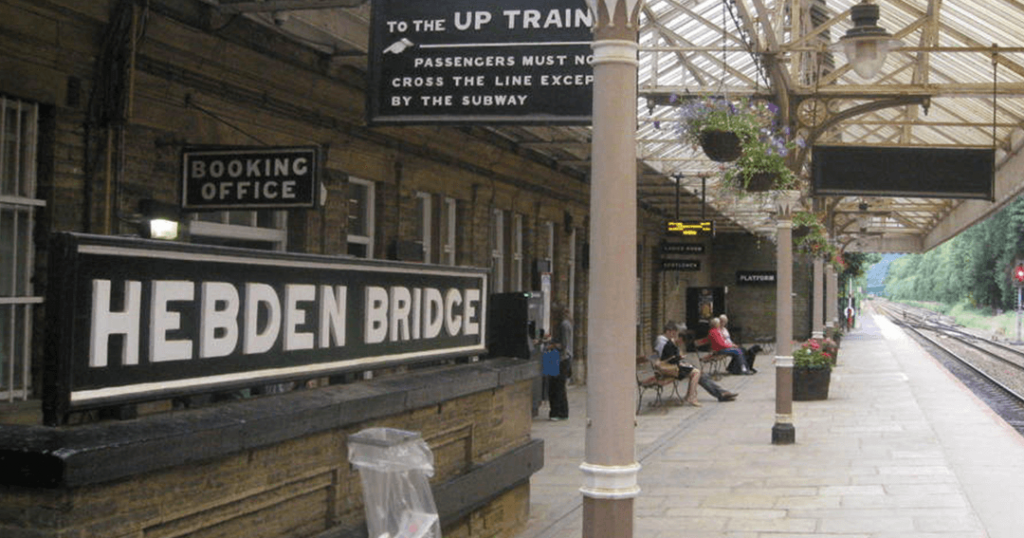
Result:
[{"x": 900, "y": 449}]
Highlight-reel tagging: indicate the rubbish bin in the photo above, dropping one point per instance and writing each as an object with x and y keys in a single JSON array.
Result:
[{"x": 393, "y": 467}]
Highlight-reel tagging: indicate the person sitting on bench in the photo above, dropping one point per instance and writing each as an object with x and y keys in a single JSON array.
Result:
[
  {"x": 667, "y": 346},
  {"x": 749, "y": 353},
  {"x": 720, "y": 345}
]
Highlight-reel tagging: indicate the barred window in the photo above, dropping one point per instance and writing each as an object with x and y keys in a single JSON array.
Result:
[{"x": 19, "y": 122}]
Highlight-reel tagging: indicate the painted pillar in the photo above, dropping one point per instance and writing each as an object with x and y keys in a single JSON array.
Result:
[
  {"x": 610, "y": 468},
  {"x": 818, "y": 300},
  {"x": 783, "y": 432},
  {"x": 831, "y": 297}
]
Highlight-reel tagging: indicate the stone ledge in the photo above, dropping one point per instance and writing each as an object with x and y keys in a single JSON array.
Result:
[{"x": 72, "y": 456}]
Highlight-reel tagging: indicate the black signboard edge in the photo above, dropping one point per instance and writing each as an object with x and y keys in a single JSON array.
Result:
[
  {"x": 818, "y": 191},
  {"x": 314, "y": 203},
  {"x": 63, "y": 263},
  {"x": 474, "y": 120},
  {"x": 64, "y": 258}
]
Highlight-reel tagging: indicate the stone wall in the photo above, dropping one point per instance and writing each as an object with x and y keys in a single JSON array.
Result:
[{"x": 277, "y": 466}]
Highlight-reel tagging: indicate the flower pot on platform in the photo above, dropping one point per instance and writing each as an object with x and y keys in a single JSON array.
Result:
[{"x": 811, "y": 384}]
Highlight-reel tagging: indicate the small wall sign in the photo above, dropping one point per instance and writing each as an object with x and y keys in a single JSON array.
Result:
[
  {"x": 682, "y": 248},
  {"x": 249, "y": 178},
  {"x": 680, "y": 265},
  {"x": 755, "y": 277}
]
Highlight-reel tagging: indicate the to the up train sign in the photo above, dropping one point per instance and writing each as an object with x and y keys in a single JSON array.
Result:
[
  {"x": 136, "y": 320},
  {"x": 480, "y": 61}
]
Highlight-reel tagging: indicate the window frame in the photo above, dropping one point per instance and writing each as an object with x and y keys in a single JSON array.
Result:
[
  {"x": 498, "y": 250},
  {"x": 449, "y": 209},
  {"x": 369, "y": 215},
  {"x": 276, "y": 237},
  {"x": 425, "y": 206}
]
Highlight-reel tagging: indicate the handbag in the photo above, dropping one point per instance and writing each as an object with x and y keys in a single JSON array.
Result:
[{"x": 549, "y": 362}]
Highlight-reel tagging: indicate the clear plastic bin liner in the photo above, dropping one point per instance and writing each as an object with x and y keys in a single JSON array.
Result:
[{"x": 394, "y": 466}]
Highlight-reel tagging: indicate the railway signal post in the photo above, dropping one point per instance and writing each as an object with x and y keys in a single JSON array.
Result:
[{"x": 1018, "y": 280}]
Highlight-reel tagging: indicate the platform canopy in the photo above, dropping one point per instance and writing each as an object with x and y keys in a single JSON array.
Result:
[{"x": 957, "y": 82}]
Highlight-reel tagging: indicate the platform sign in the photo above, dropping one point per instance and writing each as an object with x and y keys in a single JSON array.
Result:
[
  {"x": 744, "y": 278},
  {"x": 141, "y": 320},
  {"x": 480, "y": 61}
]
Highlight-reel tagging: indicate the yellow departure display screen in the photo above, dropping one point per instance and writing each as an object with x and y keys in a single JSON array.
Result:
[{"x": 692, "y": 228}]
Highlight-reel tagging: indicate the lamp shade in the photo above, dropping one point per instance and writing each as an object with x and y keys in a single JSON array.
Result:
[{"x": 866, "y": 45}]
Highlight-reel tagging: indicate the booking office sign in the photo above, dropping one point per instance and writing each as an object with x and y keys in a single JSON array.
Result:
[
  {"x": 135, "y": 320},
  {"x": 480, "y": 61}
]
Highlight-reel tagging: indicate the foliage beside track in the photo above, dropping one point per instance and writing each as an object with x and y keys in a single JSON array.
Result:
[{"x": 972, "y": 269}]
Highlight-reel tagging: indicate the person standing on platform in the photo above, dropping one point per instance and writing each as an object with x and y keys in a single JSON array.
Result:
[{"x": 563, "y": 342}]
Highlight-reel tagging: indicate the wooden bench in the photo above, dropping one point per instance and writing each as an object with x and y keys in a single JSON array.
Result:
[
  {"x": 712, "y": 364},
  {"x": 647, "y": 378}
]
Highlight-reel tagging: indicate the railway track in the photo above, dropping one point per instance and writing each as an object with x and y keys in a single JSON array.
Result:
[{"x": 992, "y": 370}]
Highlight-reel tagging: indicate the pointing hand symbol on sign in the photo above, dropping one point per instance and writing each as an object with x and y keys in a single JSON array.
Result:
[{"x": 399, "y": 46}]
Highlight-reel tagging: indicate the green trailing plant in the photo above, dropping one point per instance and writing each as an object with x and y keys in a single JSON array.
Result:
[
  {"x": 763, "y": 159},
  {"x": 814, "y": 239},
  {"x": 744, "y": 118}
]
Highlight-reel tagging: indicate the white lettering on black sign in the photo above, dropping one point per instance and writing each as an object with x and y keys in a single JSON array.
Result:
[
  {"x": 680, "y": 265},
  {"x": 142, "y": 319},
  {"x": 755, "y": 277},
  {"x": 249, "y": 178},
  {"x": 453, "y": 61}
]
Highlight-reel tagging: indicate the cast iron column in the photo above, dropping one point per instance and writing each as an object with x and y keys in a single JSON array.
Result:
[
  {"x": 783, "y": 432},
  {"x": 817, "y": 296},
  {"x": 610, "y": 468},
  {"x": 831, "y": 297}
]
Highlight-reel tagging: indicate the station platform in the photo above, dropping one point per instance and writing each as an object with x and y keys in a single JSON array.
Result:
[{"x": 900, "y": 449}]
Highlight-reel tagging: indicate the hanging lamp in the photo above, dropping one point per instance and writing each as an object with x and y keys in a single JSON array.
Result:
[{"x": 866, "y": 45}]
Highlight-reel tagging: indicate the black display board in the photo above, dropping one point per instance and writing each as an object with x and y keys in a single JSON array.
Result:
[
  {"x": 480, "y": 61},
  {"x": 903, "y": 171},
  {"x": 134, "y": 320}
]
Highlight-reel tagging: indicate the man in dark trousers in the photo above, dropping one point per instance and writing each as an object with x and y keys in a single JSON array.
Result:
[{"x": 562, "y": 341}]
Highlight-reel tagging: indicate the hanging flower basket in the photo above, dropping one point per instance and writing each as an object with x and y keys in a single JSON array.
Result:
[
  {"x": 762, "y": 182},
  {"x": 721, "y": 146}
]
